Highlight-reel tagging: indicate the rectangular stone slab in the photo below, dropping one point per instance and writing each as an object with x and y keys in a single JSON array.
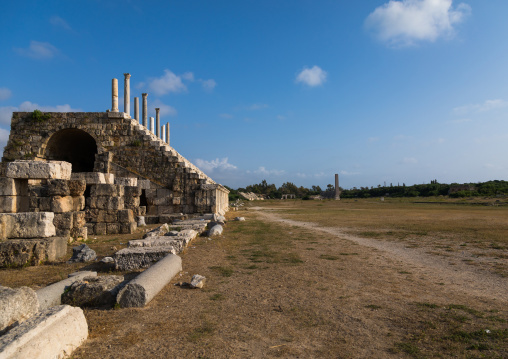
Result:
[
  {"x": 13, "y": 187},
  {"x": 53, "y": 333},
  {"x": 140, "y": 257},
  {"x": 21, "y": 252},
  {"x": 17, "y": 305},
  {"x": 39, "y": 169},
  {"x": 28, "y": 224}
]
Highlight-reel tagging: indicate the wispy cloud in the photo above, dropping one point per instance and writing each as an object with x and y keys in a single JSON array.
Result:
[
  {"x": 169, "y": 82},
  {"x": 165, "y": 110},
  {"x": 218, "y": 164},
  {"x": 257, "y": 106},
  {"x": 312, "y": 77},
  {"x": 488, "y": 105},
  {"x": 27, "y": 106},
  {"x": 403, "y": 23},
  {"x": 59, "y": 22},
  {"x": 314, "y": 175},
  {"x": 208, "y": 85},
  {"x": 349, "y": 173},
  {"x": 265, "y": 172},
  {"x": 38, "y": 50},
  {"x": 226, "y": 116},
  {"x": 4, "y": 137},
  {"x": 5, "y": 93}
]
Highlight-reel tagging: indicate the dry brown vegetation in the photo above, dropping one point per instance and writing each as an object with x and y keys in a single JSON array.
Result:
[{"x": 277, "y": 288}]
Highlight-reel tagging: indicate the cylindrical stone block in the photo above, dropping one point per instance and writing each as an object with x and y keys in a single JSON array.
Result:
[
  {"x": 127, "y": 94},
  {"x": 152, "y": 125},
  {"x": 142, "y": 289},
  {"x": 145, "y": 109},
  {"x": 157, "y": 122},
  {"x": 163, "y": 133},
  {"x": 114, "y": 95},
  {"x": 136, "y": 108},
  {"x": 167, "y": 133}
]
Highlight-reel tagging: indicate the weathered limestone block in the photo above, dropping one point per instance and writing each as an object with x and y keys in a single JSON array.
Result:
[
  {"x": 130, "y": 191},
  {"x": 141, "y": 211},
  {"x": 105, "y": 216},
  {"x": 82, "y": 253},
  {"x": 77, "y": 187},
  {"x": 100, "y": 229},
  {"x": 112, "y": 228},
  {"x": 62, "y": 204},
  {"x": 111, "y": 190},
  {"x": 51, "y": 295},
  {"x": 20, "y": 252},
  {"x": 39, "y": 169},
  {"x": 124, "y": 181},
  {"x": 13, "y": 187},
  {"x": 162, "y": 210},
  {"x": 28, "y": 225},
  {"x": 108, "y": 203},
  {"x": 93, "y": 291},
  {"x": 14, "y": 204},
  {"x": 79, "y": 233},
  {"x": 164, "y": 241},
  {"x": 125, "y": 216},
  {"x": 197, "y": 281},
  {"x": 132, "y": 202},
  {"x": 89, "y": 177},
  {"x": 128, "y": 228},
  {"x": 162, "y": 201},
  {"x": 58, "y": 187},
  {"x": 78, "y": 219},
  {"x": 16, "y": 305},
  {"x": 64, "y": 220},
  {"x": 215, "y": 230},
  {"x": 128, "y": 259},
  {"x": 142, "y": 289},
  {"x": 78, "y": 203},
  {"x": 158, "y": 231},
  {"x": 52, "y": 333}
]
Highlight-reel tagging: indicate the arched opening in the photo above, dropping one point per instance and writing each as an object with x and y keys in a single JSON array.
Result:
[{"x": 74, "y": 146}]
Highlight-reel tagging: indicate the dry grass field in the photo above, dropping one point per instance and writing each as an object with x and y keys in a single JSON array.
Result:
[{"x": 320, "y": 279}]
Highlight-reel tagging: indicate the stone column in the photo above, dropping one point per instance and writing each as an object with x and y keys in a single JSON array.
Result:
[
  {"x": 127, "y": 94},
  {"x": 167, "y": 133},
  {"x": 337, "y": 190},
  {"x": 136, "y": 108},
  {"x": 145, "y": 109},
  {"x": 157, "y": 122},
  {"x": 163, "y": 133},
  {"x": 114, "y": 95},
  {"x": 152, "y": 125}
]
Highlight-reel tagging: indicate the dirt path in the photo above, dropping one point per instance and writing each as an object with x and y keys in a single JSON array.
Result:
[{"x": 456, "y": 276}]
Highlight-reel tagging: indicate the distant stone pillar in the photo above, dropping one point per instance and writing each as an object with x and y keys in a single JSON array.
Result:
[
  {"x": 127, "y": 94},
  {"x": 157, "y": 122},
  {"x": 114, "y": 95},
  {"x": 136, "y": 108},
  {"x": 167, "y": 133},
  {"x": 337, "y": 190},
  {"x": 163, "y": 133},
  {"x": 145, "y": 109},
  {"x": 152, "y": 125}
]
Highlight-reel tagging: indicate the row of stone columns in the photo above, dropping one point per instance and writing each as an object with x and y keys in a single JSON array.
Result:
[{"x": 156, "y": 127}]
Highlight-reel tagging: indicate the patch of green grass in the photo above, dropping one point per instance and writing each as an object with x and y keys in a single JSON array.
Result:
[
  {"x": 205, "y": 329},
  {"x": 404, "y": 272},
  {"x": 223, "y": 271},
  {"x": 466, "y": 309},
  {"x": 373, "y": 306},
  {"x": 217, "y": 296},
  {"x": 427, "y": 305},
  {"x": 407, "y": 348},
  {"x": 348, "y": 254}
]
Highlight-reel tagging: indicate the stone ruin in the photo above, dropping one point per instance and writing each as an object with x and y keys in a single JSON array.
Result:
[{"x": 65, "y": 176}]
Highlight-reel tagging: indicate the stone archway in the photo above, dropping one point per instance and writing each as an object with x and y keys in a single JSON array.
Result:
[{"x": 75, "y": 146}]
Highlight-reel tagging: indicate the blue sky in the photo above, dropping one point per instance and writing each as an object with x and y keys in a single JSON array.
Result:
[{"x": 377, "y": 91}]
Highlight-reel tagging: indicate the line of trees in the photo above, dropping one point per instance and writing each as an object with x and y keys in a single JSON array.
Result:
[{"x": 455, "y": 190}]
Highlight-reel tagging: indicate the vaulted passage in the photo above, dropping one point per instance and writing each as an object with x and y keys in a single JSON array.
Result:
[{"x": 74, "y": 146}]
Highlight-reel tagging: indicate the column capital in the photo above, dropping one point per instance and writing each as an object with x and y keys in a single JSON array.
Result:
[
  {"x": 157, "y": 109},
  {"x": 144, "y": 94},
  {"x": 127, "y": 76}
]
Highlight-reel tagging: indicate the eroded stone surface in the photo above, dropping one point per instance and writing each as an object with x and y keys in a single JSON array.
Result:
[
  {"x": 140, "y": 257},
  {"x": 39, "y": 169},
  {"x": 28, "y": 225},
  {"x": 93, "y": 291},
  {"x": 16, "y": 305},
  {"x": 82, "y": 253}
]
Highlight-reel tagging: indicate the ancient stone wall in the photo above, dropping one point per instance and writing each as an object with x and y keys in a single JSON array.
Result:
[{"x": 116, "y": 144}]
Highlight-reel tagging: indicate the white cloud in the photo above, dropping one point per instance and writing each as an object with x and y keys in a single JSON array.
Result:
[
  {"x": 189, "y": 76},
  {"x": 314, "y": 175},
  {"x": 488, "y": 105},
  {"x": 208, "y": 85},
  {"x": 312, "y": 77},
  {"x": 58, "y": 21},
  {"x": 169, "y": 82},
  {"x": 5, "y": 93},
  {"x": 166, "y": 110},
  {"x": 281, "y": 118},
  {"x": 27, "y": 106},
  {"x": 402, "y": 137},
  {"x": 214, "y": 165},
  {"x": 38, "y": 50},
  {"x": 402, "y": 23},
  {"x": 263, "y": 171},
  {"x": 409, "y": 160},
  {"x": 226, "y": 116}
]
